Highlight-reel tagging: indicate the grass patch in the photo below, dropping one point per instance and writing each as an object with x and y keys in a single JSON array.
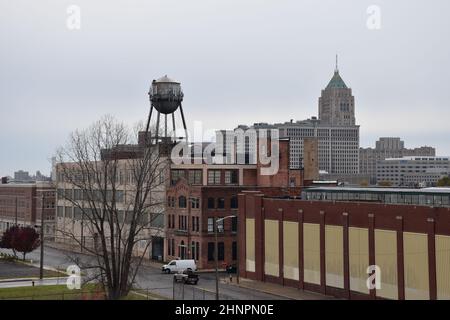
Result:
[
  {"x": 61, "y": 292},
  {"x": 47, "y": 274},
  {"x": 52, "y": 292}
]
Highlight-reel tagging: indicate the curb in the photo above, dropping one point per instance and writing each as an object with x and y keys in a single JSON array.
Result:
[{"x": 263, "y": 291}]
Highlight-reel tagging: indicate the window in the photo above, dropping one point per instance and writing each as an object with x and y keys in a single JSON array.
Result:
[
  {"x": 221, "y": 251},
  {"x": 234, "y": 222},
  {"x": 197, "y": 219},
  {"x": 60, "y": 212},
  {"x": 231, "y": 177},
  {"x": 68, "y": 194},
  {"x": 234, "y": 251},
  {"x": 210, "y": 224},
  {"x": 234, "y": 202},
  {"x": 195, "y": 176},
  {"x": 182, "y": 202},
  {"x": 176, "y": 175},
  {"x": 213, "y": 176},
  {"x": 221, "y": 203},
  {"x": 173, "y": 247},
  {"x": 77, "y": 214},
  {"x": 211, "y": 203},
  {"x": 193, "y": 225},
  {"x": 68, "y": 212},
  {"x": 210, "y": 251},
  {"x": 220, "y": 225},
  {"x": 197, "y": 250},
  {"x": 195, "y": 203}
]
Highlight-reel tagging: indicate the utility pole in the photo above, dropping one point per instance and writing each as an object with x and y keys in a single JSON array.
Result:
[
  {"x": 41, "y": 267},
  {"x": 216, "y": 258},
  {"x": 216, "y": 251},
  {"x": 16, "y": 212},
  {"x": 237, "y": 249}
]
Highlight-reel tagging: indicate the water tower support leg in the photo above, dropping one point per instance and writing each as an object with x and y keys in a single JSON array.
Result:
[
  {"x": 173, "y": 126},
  {"x": 165, "y": 126},
  {"x": 184, "y": 122},
  {"x": 157, "y": 127},
  {"x": 149, "y": 117}
]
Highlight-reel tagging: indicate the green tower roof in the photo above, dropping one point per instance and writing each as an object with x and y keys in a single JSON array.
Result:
[{"x": 336, "y": 82}]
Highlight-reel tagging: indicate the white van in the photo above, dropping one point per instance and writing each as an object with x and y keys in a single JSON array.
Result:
[{"x": 179, "y": 266}]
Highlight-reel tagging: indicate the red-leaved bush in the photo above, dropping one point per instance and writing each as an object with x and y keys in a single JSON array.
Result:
[{"x": 20, "y": 239}]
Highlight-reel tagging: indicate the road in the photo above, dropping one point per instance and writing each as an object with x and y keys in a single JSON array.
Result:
[{"x": 152, "y": 279}]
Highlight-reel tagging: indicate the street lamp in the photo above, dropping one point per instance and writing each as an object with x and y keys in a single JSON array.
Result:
[
  {"x": 216, "y": 252},
  {"x": 41, "y": 265}
]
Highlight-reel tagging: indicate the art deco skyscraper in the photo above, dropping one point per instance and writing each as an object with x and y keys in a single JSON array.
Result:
[{"x": 337, "y": 104}]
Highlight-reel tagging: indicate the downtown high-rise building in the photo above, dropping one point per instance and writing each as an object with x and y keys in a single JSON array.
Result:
[
  {"x": 335, "y": 130},
  {"x": 387, "y": 147}
]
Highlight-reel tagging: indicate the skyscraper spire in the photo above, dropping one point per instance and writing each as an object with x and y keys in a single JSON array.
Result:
[{"x": 337, "y": 69}]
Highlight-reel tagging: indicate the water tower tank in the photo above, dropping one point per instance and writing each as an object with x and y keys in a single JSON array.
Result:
[{"x": 166, "y": 95}]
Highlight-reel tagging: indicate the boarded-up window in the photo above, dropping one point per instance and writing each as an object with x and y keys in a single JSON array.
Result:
[
  {"x": 386, "y": 259},
  {"x": 443, "y": 267},
  {"x": 415, "y": 246},
  {"x": 271, "y": 248},
  {"x": 334, "y": 256},
  {"x": 311, "y": 254},
  {"x": 290, "y": 250},
  {"x": 359, "y": 258},
  {"x": 250, "y": 245}
]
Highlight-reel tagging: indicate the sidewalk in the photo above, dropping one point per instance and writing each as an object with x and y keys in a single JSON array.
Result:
[{"x": 279, "y": 290}]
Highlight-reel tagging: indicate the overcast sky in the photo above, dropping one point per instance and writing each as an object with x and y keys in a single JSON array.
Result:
[{"x": 239, "y": 62}]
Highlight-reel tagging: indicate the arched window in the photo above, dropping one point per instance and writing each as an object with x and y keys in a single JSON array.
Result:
[{"x": 182, "y": 202}]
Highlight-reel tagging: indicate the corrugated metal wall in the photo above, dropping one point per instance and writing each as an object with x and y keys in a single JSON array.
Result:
[
  {"x": 250, "y": 244},
  {"x": 334, "y": 256},
  {"x": 290, "y": 250},
  {"x": 271, "y": 248},
  {"x": 358, "y": 258},
  {"x": 386, "y": 259},
  {"x": 415, "y": 248},
  {"x": 311, "y": 252},
  {"x": 443, "y": 267}
]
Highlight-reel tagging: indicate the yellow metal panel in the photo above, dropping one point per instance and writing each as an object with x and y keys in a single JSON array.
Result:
[
  {"x": 290, "y": 250},
  {"x": 311, "y": 252},
  {"x": 250, "y": 245},
  {"x": 359, "y": 258},
  {"x": 443, "y": 267},
  {"x": 386, "y": 259},
  {"x": 334, "y": 256},
  {"x": 415, "y": 250},
  {"x": 271, "y": 248}
]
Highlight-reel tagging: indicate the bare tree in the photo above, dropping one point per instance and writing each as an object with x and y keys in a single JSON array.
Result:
[{"x": 116, "y": 189}]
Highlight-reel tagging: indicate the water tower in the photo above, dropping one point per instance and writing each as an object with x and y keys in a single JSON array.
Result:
[{"x": 165, "y": 97}]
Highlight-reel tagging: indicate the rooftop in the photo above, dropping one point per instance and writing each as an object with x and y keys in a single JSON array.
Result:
[
  {"x": 433, "y": 190},
  {"x": 336, "y": 82}
]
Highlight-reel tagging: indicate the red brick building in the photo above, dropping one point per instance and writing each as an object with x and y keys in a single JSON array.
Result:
[
  {"x": 327, "y": 244},
  {"x": 199, "y": 194},
  {"x": 21, "y": 203}
]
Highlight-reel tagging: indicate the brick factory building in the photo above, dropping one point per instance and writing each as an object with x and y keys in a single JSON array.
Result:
[
  {"x": 21, "y": 204},
  {"x": 325, "y": 244},
  {"x": 201, "y": 193}
]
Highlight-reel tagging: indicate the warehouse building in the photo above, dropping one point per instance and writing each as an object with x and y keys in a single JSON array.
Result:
[{"x": 326, "y": 245}]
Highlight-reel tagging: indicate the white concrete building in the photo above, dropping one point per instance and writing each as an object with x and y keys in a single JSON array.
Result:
[{"x": 411, "y": 171}]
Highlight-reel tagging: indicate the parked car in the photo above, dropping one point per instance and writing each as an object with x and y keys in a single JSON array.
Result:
[
  {"x": 231, "y": 268},
  {"x": 187, "y": 276},
  {"x": 179, "y": 266}
]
